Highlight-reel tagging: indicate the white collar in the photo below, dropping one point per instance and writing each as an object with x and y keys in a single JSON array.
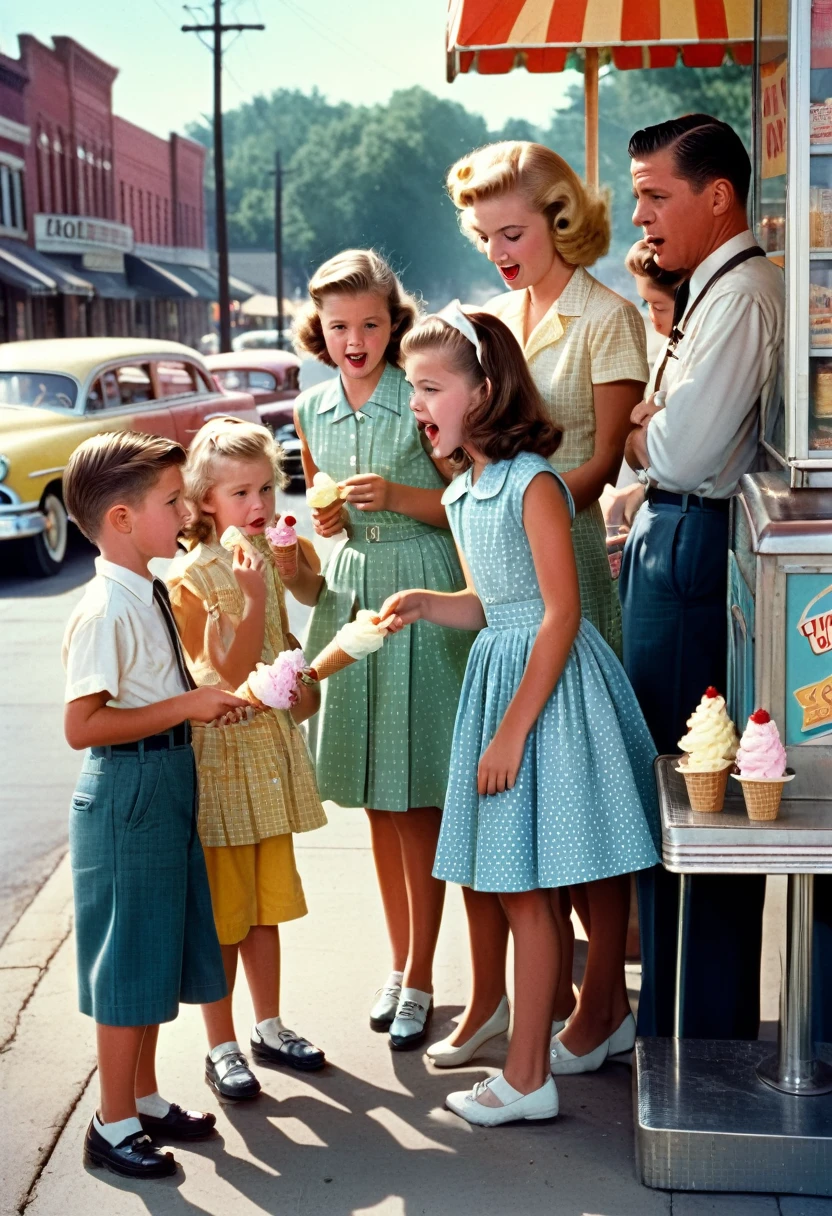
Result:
[
  {"x": 706, "y": 270},
  {"x": 142, "y": 588}
]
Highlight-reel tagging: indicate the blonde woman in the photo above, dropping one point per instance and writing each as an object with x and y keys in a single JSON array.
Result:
[{"x": 585, "y": 346}]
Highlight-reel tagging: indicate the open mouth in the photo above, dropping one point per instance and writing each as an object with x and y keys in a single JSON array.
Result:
[
  {"x": 655, "y": 242},
  {"x": 257, "y": 525},
  {"x": 432, "y": 433},
  {"x": 509, "y": 273},
  {"x": 357, "y": 361}
]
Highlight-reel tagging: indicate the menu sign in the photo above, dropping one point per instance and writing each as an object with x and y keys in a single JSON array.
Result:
[
  {"x": 773, "y": 95},
  {"x": 808, "y": 657}
]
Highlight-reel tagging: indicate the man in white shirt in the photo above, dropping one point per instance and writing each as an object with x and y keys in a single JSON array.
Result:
[{"x": 691, "y": 445}]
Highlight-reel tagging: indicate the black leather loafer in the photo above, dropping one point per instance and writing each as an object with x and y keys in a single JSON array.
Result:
[
  {"x": 231, "y": 1078},
  {"x": 179, "y": 1124},
  {"x": 293, "y": 1052},
  {"x": 135, "y": 1156}
]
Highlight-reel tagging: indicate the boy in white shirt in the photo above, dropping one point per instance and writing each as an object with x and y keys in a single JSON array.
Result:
[{"x": 144, "y": 929}]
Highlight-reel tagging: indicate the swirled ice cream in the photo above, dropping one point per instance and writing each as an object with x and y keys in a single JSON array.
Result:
[
  {"x": 273, "y": 684},
  {"x": 232, "y": 538},
  {"x": 283, "y": 534},
  {"x": 711, "y": 741},
  {"x": 323, "y": 491},
  {"x": 362, "y": 636},
  {"x": 761, "y": 754}
]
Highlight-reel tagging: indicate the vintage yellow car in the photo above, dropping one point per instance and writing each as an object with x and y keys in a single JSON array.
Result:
[{"x": 57, "y": 392}]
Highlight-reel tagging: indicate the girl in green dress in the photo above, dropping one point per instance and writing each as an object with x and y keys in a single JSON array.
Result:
[{"x": 382, "y": 739}]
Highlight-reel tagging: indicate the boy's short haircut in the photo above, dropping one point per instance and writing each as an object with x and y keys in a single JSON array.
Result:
[{"x": 118, "y": 466}]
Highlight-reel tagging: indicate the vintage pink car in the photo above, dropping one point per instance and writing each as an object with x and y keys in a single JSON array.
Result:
[{"x": 271, "y": 378}]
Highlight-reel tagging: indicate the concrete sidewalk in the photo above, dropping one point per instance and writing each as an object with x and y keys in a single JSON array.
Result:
[{"x": 366, "y": 1137}]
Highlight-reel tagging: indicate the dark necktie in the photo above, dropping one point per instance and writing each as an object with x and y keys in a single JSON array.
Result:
[{"x": 160, "y": 595}]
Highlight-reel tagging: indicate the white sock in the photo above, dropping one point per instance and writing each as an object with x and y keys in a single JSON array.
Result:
[
  {"x": 394, "y": 979},
  {"x": 222, "y": 1049},
  {"x": 270, "y": 1030},
  {"x": 114, "y": 1133},
  {"x": 153, "y": 1104}
]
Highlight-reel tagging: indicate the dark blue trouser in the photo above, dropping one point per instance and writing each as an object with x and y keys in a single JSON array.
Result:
[{"x": 674, "y": 596}]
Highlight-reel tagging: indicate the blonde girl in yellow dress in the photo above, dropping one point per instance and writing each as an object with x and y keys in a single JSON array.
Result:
[{"x": 256, "y": 785}]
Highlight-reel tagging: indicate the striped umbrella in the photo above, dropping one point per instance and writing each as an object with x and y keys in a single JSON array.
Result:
[{"x": 494, "y": 36}]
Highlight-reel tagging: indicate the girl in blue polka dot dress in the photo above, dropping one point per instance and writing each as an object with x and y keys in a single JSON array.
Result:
[{"x": 551, "y": 780}]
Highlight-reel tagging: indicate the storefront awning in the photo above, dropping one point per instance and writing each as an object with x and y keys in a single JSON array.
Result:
[
  {"x": 48, "y": 272},
  {"x": 15, "y": 273},
  {"x": 494, "y": 36},
  {"x": 170, "y": 279},
  {"x": 108, "y": 284}
]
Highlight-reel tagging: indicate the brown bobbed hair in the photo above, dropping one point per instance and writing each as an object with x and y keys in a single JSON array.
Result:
[
  {"x": 512, "y": 417},
  {"x": 354, "y": 272},
  {"x": 641, "y": 263},
  {"x": 233, "y": 439},
  {"x": 111, "y": 468},
  {"x": 578, "y": 215}
]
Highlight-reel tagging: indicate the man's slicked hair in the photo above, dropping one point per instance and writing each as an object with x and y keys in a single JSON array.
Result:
[{"x": 703, "y": 148}]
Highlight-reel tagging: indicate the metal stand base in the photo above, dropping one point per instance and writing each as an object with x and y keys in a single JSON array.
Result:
[{"x": 705, "y": 1121}]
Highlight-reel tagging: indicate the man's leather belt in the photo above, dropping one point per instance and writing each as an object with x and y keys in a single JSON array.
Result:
[{"x": 687, "y": 502}]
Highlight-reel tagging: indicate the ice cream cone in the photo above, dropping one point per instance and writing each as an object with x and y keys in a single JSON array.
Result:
[
  {"x": 763, "y": 795},
  {"x": 706, "y": 790},
  {"x": 286, "y": 560},
  {"x": 331, "y": 660},
  {"x": 245, "y": 692}
]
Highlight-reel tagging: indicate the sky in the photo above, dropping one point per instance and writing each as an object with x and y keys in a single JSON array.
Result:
[{"x": 351, "y": 50}]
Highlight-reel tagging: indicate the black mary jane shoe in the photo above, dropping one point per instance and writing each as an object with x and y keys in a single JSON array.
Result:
[
  {"x": 231, "y": 1078},
  {"x": 179, "y": 1124},
  {"x": 136, "y": 1156},
  {"x": 293, "y": 1052}
]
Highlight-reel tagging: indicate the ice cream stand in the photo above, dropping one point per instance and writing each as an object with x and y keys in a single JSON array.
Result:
[{"x": 740, "y": 1116}]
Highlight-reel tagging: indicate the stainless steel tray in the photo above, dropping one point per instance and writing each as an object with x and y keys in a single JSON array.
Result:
[{"x": 799, "y": 841}]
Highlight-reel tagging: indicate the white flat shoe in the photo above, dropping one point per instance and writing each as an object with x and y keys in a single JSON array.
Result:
[
  {"x": 445, "y": 1055},
  {"x": 409, "y": 1026},
  {"x": 540, "y": 1104},
  {"x": 623, "y": 1040}
]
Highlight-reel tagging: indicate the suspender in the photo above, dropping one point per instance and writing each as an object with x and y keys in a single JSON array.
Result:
[{"x": 681, "y": 319}]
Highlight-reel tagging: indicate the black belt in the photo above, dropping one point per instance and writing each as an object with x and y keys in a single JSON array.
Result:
[
  {"x": 687, "y": 501},
  {"x": 177, "y": 736}
]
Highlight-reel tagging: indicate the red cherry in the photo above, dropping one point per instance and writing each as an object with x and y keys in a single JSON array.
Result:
[
  {"x": 711, "y": 692},
  {"x": 289, "y": 521},
  {"x": 760, "y": 716}
]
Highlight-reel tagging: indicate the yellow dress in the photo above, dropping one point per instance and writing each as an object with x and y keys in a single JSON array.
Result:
[
  {"x": 256, "y": 784},
  {"x": 589, "y": 336}
]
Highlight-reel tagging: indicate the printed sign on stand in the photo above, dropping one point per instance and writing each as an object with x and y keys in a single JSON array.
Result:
[{"x": 808, "y": 657}]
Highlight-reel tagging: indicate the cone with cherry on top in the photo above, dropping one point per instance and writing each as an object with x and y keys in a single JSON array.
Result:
[
  {"x": 710, "y": 744},
  {"x": 761, "y": 761}
]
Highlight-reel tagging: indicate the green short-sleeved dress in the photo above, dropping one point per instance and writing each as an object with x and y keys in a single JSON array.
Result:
[
  {"x": 383, "y": 736},
  {"x": 589, "y": 336}
]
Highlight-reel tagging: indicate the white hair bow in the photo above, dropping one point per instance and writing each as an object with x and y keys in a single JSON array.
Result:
[{"x": 453, "y": 314}]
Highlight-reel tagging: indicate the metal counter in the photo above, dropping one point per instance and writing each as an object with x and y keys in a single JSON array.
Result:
[{"x": 732, "y": 1116}]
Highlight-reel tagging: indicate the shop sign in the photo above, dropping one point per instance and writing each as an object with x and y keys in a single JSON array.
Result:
[
  {"x": 773, "y": 95},
  {"x": 80, "y": 234},
  {"x": 808, "y": 657}
]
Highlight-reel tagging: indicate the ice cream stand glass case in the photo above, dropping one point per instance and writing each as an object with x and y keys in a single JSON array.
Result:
[{"x": 737, "y": 1116}]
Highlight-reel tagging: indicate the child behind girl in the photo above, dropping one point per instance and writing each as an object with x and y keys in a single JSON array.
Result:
[
  {"x": 256, "y": 785},
  {"x": 551, "y": 772},
  {"x": 383, "y": 736}
]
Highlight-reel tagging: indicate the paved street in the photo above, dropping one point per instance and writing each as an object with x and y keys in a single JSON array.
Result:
[{"x": 39, "y": 769}]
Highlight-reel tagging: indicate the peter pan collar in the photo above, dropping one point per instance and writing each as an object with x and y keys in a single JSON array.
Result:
[
  {"x": 550, "y": 328},
  {"x": 488, "y": 485},
  {"x": 386, "y": 394}
]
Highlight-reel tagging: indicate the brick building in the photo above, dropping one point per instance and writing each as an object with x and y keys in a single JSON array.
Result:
[{"x": 102, "y": 224}]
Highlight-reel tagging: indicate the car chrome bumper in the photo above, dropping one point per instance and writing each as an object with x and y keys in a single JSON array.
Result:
[{"x": 16, "y": 525}]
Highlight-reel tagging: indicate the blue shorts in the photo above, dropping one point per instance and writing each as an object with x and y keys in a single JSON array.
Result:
[{"x": 144, "y": 928}]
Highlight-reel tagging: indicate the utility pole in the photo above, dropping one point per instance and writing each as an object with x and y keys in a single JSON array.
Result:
[
  {"x": 278, "y": 245},
  {"x": 218, "y": 29}
]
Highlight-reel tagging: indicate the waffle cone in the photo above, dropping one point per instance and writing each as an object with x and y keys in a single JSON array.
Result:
[
  {"x": 762, "y": 798},
  {"x": 331, "y": 660},
  {"x": 286, "y": 559},
  {"x": 706, "y": 791}
]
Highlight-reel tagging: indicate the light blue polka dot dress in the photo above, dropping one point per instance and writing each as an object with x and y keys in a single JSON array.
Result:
[{"x": 584, "y": 804}]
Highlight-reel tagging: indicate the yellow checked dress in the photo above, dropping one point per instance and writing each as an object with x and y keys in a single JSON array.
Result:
[
  {"x": 589, "y": 336},
  {"x": 256, "y": 784}
]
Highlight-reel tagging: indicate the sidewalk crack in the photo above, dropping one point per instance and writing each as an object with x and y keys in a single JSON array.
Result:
[
  {"x": 59, "y": 1131},
  {"x": 9, "y": 1042}
]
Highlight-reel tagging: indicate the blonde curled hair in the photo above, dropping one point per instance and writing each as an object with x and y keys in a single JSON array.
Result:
[
  {"x": 223, "y": 437},
  {"x": 579, "y": 215},
  {"x": 355, "y": 272}
]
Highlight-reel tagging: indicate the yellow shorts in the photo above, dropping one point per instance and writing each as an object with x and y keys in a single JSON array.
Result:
[{"x": 253, "y": 884}]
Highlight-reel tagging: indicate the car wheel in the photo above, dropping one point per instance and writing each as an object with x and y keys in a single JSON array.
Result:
[{"x": 44, "y": 554}]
